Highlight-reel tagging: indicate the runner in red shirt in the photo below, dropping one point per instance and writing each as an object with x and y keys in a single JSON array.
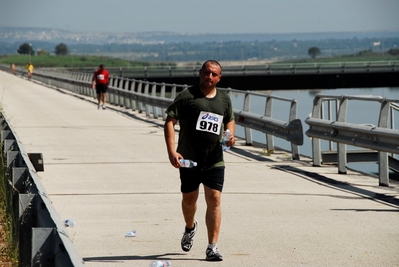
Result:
[{"x": 100, "y": 81}]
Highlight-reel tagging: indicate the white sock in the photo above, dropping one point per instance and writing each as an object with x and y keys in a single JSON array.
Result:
[{"x": 212, "y": 246}]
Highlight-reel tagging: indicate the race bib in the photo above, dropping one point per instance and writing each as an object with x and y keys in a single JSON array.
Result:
[
  {"x": 209, "y": 122},
  {"x": 100, "y": 77}
]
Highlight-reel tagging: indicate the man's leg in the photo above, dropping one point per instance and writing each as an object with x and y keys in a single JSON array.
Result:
[
  {"x": 213, "y": 219},
  {"x": 213, "y": 216},
  {"x": 105, "y": 98},
  {"x": 189, "y": 207}
]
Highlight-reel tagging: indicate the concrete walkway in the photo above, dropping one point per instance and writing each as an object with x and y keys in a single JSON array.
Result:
[{"x": 108, "y": 171}]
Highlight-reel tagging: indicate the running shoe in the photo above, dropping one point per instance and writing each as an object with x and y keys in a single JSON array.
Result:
[
  {"x": 187, "y": 240},
  {"x": 213, "y": 255}
]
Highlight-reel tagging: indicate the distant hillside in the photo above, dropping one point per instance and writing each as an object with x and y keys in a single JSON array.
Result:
[
  {"x": 17, "y": 34},
  {"x": 167, "y": 46}
]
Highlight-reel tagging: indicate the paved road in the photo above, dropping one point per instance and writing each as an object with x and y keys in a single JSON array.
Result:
[{"x": 108, "y": 171}]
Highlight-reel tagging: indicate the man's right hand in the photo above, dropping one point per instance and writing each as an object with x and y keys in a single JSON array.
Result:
[{"x": 175, "y": 158}]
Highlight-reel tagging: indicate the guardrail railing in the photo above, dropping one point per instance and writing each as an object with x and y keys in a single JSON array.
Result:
[
  {"x": 265, "y": 69},
  {"x": 290, "y": 130},
  {"x": 380, "y": 138},
  {"x": 42, "y": 237}
]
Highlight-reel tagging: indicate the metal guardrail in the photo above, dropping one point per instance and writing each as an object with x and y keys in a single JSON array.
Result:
[
  {"x": 266, "y": 69},
  {"x": 290, "y": 130},
  {"x": 380, "y": 138},
  {"x": 42, "y": 237}
]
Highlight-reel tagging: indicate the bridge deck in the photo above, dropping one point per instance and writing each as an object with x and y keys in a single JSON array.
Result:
[{"x": 108, "y": 171}]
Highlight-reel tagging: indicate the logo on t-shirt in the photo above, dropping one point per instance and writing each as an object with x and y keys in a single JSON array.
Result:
[{"x": 208, "y": 116}]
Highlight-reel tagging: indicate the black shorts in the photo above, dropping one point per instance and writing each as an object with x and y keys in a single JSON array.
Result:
[
  {"x": 191, "y": 179},
  {"x": 101, "y": 88}
]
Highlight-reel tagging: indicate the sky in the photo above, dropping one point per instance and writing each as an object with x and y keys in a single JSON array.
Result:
[{"x": 203, "y": 16}]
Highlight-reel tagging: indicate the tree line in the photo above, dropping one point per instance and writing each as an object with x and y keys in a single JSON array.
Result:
[
  {"x": 27, "y": 49},
  {"x": 232, "y": 50}
]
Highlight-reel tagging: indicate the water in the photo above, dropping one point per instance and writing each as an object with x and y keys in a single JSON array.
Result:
[{"x": 359, "y": 112}]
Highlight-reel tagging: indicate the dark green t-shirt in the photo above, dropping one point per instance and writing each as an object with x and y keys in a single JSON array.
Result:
[{"x": 201, "y": 123}]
